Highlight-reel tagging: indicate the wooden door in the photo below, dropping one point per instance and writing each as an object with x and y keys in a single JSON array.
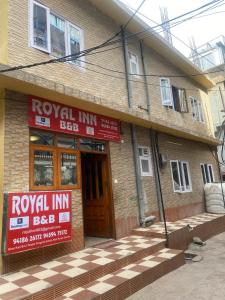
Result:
[{"x": 96, "y": 198}]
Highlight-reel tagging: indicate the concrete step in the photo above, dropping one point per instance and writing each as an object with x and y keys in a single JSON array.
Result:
[
  {"x": 129, "y": 279},
  {"x": 60, "y": 276}
]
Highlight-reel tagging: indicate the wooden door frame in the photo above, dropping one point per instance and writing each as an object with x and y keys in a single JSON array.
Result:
[{"x": 108, "y": 169}]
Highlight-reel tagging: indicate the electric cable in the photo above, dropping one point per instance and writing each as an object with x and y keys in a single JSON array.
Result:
[{"x": 104, "y": 44}]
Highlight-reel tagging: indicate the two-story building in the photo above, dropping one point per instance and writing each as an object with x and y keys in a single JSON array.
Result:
[{"x": 125, "y": 127}]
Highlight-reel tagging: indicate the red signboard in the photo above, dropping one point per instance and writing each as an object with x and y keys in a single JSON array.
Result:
[
  {"x": 37, "y": 219},
  {"x": 54, "y": 116}
]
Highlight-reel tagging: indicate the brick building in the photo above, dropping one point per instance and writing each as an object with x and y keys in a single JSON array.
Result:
[{"x": 166, "y": 144}]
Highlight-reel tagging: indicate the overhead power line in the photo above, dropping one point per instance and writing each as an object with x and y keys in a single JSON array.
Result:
[{"x": 104, "y": 44}]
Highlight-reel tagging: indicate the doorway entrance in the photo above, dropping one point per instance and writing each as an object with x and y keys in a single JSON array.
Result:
[{"x": 97, "y": 206}]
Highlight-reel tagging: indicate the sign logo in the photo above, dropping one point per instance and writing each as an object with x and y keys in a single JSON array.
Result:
[
  {"x": 19, "y": 223},
  {"x": 42, "y": 121},
  {"x": 64, "y": 217}
]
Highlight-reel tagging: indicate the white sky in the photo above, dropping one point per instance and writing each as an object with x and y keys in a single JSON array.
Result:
[{"x": 203, "y": 29}]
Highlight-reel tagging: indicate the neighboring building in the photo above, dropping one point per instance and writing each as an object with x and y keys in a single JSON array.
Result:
[
  {"x": 111, "y": 167},
  {"x": 210, "y": 57}
]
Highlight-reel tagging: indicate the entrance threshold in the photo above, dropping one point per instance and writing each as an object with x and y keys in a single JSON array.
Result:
[{"x": 91, "y": 241}]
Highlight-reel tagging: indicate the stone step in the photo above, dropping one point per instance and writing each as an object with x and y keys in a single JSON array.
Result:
[
  {"x": 129, "y": 279},
  {"x": 55, "y": 278}
]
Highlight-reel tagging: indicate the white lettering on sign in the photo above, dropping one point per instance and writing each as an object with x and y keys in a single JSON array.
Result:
[
  {"x": 69, "y": 126},
  {"x": 24, "y": 203},
  {"x": 60, "y": 201},
  {"x": 87, "y": 118},
  {"x": 58, "y": 111}
]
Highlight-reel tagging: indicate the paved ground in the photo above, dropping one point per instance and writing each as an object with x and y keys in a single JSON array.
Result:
[{"x": 204, "y": 280}]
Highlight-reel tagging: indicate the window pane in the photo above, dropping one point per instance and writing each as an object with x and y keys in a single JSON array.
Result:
[
  {"x": 203, "y": 174},
  {"x": 43, "y": 168},
  {"x": 86, "y": 144},
  {"x": 67, "y": 142},
  {"x": 74, "y": 40},
  {"x": 58, "y": 47},
  {"x": 68, "y": 169},
  {"x": 166, "y": 92},
  {"x": 176, "y": 179},
  {"x": 40, "y": 34},
  {"x": 181, "y": 176},
  {"x": 206, "y": 172},
  {"x": 186, "y": 177},
  {"x": 210, "y": 173},
  {"x": 41, "y": 138},
  {"x": 145, "y": 165}
]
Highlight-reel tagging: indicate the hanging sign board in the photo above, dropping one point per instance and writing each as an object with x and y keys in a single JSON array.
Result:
[
  {"x": 37, "y": 219},
  {"x": 54, "y": 116}
]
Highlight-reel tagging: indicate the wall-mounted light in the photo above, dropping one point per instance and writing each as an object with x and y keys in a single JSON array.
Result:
[{"x": 34, "y": 138}]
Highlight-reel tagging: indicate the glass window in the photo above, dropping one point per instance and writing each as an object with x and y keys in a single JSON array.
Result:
[
  {"x": 68, "y": 164},
  {"x": 133, "y": 63},
  {"x": 40, "y": 27},
  {"x": 74, "y": 41},
  {"x": 176, "y": 176},
  {"x": 207, "y": 173},
  {"x": 58, "y": 45},
  {"x": 41, "y": 138},
  {"x": 145, "y": 161},
  {"x": 166, "y": 93},
  {"x": 67, "y": 142},
  {"x": 181, "y": 176},
  {"x": 43, "y": 168},
  {"x": 53, "y": 34},
  {"x": 197, "y": 111},
  {"x": 86, "y": 144}
]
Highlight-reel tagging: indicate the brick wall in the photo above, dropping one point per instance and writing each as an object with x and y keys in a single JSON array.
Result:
[
  {"x": 109, "y": 89},
  {"x": 16, "y": 179}
]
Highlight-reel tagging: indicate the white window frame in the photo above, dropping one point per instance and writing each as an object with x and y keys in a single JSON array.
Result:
[
  {"x": 147, "y": 158},
  {"x": 197, "y": 109},
  {"x": 31, "y": 31},
  {"x": 136, "y": 63},
  {"x": 67, "y": 24},
  {"x": 204, "y": 173},
  {"x": 184, "y": 188},
  {"x": 166, "y": 102}
]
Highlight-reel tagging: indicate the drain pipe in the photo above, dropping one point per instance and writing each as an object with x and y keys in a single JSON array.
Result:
[
  {"x": 138, "y": 176},
  {"x": 139, "y": 187},
  {"x": 155, "y": 154},
  {"x": 145, "y": 77}
]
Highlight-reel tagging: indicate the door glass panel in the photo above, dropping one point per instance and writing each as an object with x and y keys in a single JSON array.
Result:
[
  {"x": 68, "y": 169},
  {"x": 43, "y": 168}
]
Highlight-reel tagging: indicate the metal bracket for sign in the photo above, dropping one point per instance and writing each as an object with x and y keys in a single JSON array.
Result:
[{"x": 4, "y": 223}]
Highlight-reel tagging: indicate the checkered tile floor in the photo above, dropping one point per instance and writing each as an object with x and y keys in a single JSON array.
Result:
[
  {"x": 110, "y": 282},
  {"x": 173, "y": 226},
  {"x": 34, "y": 279}
]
